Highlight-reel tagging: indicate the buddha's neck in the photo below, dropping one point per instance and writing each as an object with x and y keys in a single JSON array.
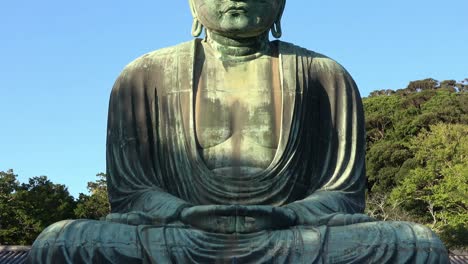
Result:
[{"x": 238, "y": 48}]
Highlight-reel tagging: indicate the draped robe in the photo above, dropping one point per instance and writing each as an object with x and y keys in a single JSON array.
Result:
[
  {"x": 152, "y": 153},
  {"x": 318, "y": 171}
]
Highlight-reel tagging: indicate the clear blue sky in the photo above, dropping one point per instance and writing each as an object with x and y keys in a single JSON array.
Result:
[{"x": 59, "y": 60}]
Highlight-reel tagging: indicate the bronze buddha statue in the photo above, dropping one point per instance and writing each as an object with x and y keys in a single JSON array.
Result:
[{"x": 235, "y": 149}]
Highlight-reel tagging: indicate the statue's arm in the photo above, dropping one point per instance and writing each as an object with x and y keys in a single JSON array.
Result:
[
  {"x": 339, "y": 182},
  {"x": 135, "y": 170},
  {"x": 328, "y": 208}
]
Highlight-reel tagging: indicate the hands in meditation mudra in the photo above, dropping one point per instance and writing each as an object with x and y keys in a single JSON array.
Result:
[{"x": 235, "y": 149}]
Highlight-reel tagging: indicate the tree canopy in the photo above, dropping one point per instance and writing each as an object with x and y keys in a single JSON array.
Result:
[
  {"x": 96, "y": 204},
  {"x": 417, "y": 156},
  {"x": 27, "y": 208}
]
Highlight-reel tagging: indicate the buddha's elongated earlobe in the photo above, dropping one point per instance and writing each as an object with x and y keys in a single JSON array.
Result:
[
  {"x": 276, "y": 29},
  {"x": 197, "y": 28}
]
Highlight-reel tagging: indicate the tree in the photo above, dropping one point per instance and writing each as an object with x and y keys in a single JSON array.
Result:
[
  {"x": 384, "y": 161},
  {"x": 393, "y": 119},
  {"x": 9, "y": 224},
  {"x": 421, "y": 85},
  {"x": 463, "y": 85},
  {"x": 381, "y": 92},
  {"x": 379, "y": 206},
  {"x": 40, "y": 203},
  {"x": 96, "y": 205},
  {"x": 402, "y": 183},
  {"x": 28, "y": 208},
  {"x": 380, "y": 115},
  {"x": 437, "y": 190}
]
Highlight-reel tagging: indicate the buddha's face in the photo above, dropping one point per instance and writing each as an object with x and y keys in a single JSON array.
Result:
[{"x": 237, "y": 18}]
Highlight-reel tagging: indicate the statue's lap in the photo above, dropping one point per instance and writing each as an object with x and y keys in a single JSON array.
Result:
[{"x": 87, "y": 241}]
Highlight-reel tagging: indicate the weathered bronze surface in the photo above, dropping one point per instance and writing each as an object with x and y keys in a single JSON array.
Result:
[{"x": 235, "y": 149}]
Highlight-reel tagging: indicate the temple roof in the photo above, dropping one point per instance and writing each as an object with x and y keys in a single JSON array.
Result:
[
  {"x": 13, "y": 254},
  {"x": 459, "y": 257}
]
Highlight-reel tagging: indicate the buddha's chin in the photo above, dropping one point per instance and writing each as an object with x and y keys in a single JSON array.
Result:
[{"x": 241, "y": 26}]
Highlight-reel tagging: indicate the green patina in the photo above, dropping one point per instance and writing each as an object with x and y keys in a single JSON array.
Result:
[{"x": 236, "y": 149}]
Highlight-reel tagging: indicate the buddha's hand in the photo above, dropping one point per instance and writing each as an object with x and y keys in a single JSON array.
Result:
[
  {"x": 238, "y": 218},
  {"x": 133, "y": 218},
  {"x": 348, "y": 219}
]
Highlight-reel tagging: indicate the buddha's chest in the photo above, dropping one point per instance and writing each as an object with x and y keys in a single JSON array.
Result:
[
  {"x": 238, "y": 114},
  {"x": 250, "y": 114}
]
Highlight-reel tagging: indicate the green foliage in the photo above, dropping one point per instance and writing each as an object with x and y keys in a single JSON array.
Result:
[
  {"x": 437, "y": 190},
  {"x": 380, "y": 207},
  {"x": 384, "y": 160},
  {"x": 380, "y": 116},
  {"x": 416, "y": 156},
  {"x": 394, "y": 118},
  {"x": 9, "y": 224},
  {"x": 96, "y": 205},
  {"x": 421, "y": 85},
  {"x": 26, "y": 209},
  {"x": 30, "y": 207}
]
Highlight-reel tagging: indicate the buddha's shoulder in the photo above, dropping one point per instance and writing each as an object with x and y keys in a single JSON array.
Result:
[
  {"x": 317, "y": 62},
  {"x": 158, "y": 59}
]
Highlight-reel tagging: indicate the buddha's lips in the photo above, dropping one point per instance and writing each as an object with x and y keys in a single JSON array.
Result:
[{"x": 234, "y": 8}]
